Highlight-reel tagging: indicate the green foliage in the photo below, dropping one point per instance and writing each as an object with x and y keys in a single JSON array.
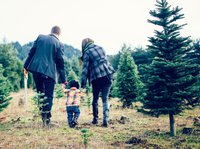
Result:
[
  {"x": 22, "y": 50},
  {"x": 169, "y": 84},
  {"x": 11, "y": 64},
  {"x": 71, "y": 52},
  {"x": 127, "y": 81},
  {"x": 72, "y": 69},
  {"x": 58, "y": 91},
  {"x": 114, "y": 60},
  {"x": 88, "y": 100},
  {"x": 85, "y": 136},
  {"x": 67, "y": 67},
  {"x": 194, "y": 55},
  {"x": 170, "y": 81},
  {"x": 72, "y": 76},
  {"x": 37, "y": 104},
  {"x": 4, "y": 91},
  {"x": 141, "y": 56},
  {"x": 76, "y": 66}
]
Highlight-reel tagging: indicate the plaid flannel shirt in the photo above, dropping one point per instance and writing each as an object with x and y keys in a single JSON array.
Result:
[
  {"x": 95, "y": 64},
  {"x": 73, "y": 96}
]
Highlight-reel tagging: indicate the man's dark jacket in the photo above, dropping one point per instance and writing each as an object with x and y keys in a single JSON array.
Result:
[{"x": 46, "y": 57}]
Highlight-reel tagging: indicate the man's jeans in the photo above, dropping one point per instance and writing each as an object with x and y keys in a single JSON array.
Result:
[
  {"x": 102, "y": 85},
  {"x": 45, "y": 85}
]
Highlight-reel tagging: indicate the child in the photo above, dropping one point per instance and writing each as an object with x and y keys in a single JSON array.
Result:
[{"x": 73, "y": 102}]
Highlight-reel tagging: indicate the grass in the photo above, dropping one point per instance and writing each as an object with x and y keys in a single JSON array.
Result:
[{"x": 20, "y": 129}]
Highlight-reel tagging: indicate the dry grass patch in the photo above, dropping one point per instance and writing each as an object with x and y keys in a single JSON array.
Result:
[{"x": 128, "y": 128}]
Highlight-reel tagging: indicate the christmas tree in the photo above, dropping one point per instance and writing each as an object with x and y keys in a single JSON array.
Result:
[
  {"x": 4, "y": 91},
  {"x": 170, "y": 84}
]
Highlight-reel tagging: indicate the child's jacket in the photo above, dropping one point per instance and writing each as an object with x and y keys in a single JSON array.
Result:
[{"x": 73, "y": 96}]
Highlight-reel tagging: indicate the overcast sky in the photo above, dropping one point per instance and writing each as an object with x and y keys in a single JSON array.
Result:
[{"x": 109, "y": 22}]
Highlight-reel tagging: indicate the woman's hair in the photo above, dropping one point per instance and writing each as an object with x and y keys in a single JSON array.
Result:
[{"x": 84, "y": 42}]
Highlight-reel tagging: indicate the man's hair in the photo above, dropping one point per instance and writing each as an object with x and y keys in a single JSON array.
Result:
[{"x": 56, "y": 30}]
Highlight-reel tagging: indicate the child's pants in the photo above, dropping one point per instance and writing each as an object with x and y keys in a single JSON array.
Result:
[{"x": 73, "y": 113}]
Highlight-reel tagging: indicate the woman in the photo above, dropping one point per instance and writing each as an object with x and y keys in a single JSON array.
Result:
[{"x": 98, "y": 71}]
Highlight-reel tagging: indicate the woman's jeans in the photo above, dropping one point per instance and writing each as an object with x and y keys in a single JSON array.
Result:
[
  {"x": 45, "y": 85},
  {"x": 102, "y": 85}
]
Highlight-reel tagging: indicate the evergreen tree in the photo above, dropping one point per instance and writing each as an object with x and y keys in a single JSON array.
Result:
[
  {"x": 72, "y": 76},
  {"x": 169, "y": 85},
  {"x": 58, "y": 92},
  {"x": 194, "y": 57},
  {"x": 127, "y": 82},
  {"x": 67, "y": 65},
  {"x": 75, "y": 66},
  {"x": 142, "y": 57},
  {"x": 4, "y": 91},
  {"x": 11, "y": 64},
  {"x": 114, "y": 60}
]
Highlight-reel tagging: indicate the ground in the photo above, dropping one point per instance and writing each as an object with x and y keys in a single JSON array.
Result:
[{"x": 20, "y": 128}]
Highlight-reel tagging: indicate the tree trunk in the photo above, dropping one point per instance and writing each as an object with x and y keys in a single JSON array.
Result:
[{"x": 172, "y": 125}]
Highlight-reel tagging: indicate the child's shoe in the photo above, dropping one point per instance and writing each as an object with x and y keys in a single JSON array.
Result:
[
  {"x": 75, "y": 121},
  {"x": 71, "y": 125}
]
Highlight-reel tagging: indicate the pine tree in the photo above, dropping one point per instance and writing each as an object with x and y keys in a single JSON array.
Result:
[
  {"x": 169, "y": 85},
  {"x": 4, "y": 91},
  {"x": 127, "y": 82}
]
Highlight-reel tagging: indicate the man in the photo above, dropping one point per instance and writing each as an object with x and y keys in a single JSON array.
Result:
[
  {"x": 98, "y": 71},
  {"x": 45, "y": 59}
]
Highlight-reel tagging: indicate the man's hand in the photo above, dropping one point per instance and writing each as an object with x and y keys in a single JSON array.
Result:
[
  {"x": 83, "y": 90},
  {"x": 25, "y": 72},
  {"x": 64, "y": 85}
]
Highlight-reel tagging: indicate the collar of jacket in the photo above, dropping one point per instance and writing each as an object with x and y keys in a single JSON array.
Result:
[
  {"x": 86, "y": 47},
  {"x": 56, "y": 36}
]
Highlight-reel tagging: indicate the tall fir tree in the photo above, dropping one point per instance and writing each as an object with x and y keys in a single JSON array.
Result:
[
  {"x": 127, "y": 82},
  {"x": 170, "y": 83},
  {"x": 4, "y": 91}
]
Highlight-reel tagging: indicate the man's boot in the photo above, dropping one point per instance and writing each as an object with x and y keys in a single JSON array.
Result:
[
  {"x": 44, "y": 119},
  {"x": 95, "y": 114}
]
